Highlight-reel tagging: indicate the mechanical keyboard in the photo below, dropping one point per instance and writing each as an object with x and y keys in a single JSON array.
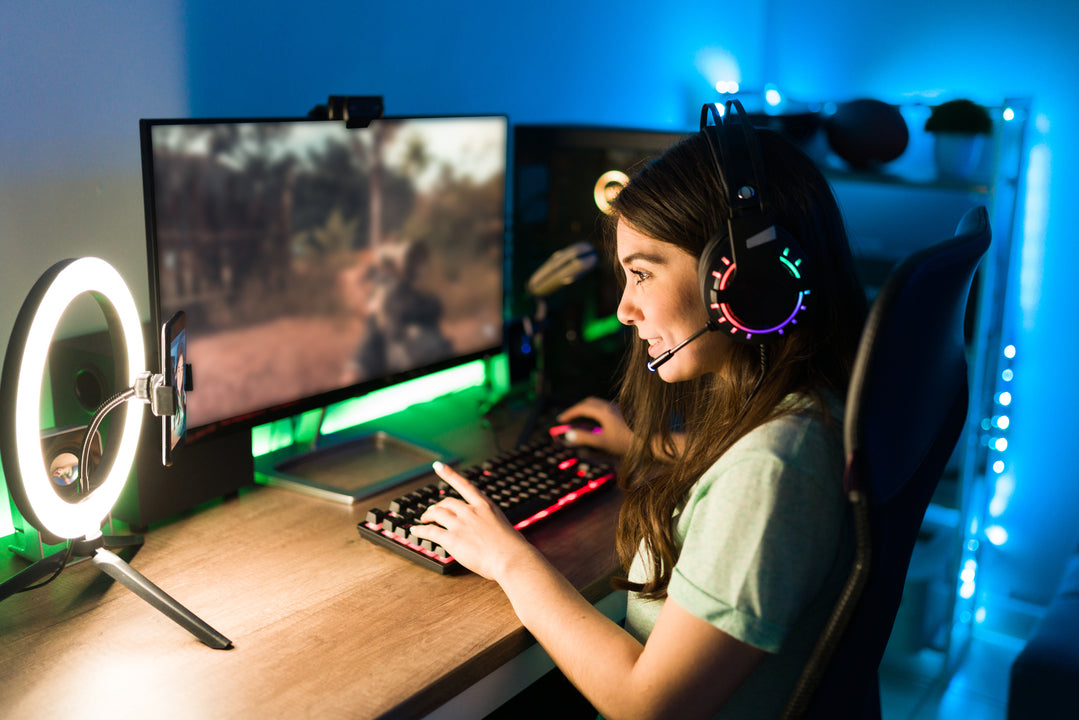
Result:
[{"x": 529, "y": 483}]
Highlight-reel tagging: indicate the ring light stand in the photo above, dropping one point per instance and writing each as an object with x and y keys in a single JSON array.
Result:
[{"x": 28, "y": 478}]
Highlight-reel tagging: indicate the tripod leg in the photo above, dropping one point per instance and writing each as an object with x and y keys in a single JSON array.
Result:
[{"x": 113, "y": 566}]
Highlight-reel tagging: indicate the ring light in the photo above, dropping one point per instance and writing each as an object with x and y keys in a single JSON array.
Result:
[
  {"x": 24, "y": 463},
  {"x": 607, "y": 188},
  {"x": 28, "y": 476}
]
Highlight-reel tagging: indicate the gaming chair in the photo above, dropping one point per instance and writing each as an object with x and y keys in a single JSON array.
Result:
[{"x": 906, "y": 409}]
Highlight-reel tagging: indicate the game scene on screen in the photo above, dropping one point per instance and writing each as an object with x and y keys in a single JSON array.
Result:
[{"x": 310, "y": 257}]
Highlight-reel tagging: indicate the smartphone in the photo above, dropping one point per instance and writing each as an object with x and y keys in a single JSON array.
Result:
[{"x": 174, "y": 368}]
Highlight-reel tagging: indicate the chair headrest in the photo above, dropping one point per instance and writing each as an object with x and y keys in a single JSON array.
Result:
[{"x": 911, "y": 370}]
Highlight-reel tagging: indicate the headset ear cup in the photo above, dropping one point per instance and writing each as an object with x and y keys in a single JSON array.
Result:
[
  {"x": 709, "y": 264},
  {"x": 758, "y": 302}
]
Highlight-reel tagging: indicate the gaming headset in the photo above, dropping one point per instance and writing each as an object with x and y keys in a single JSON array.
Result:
[{"x": 754, "y": 278}]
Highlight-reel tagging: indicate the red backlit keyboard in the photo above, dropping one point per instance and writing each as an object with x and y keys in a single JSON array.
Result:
[{"x": 530, "y": 484}]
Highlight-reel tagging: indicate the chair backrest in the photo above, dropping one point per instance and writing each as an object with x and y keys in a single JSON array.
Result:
[{"x": 906, "y": 409}]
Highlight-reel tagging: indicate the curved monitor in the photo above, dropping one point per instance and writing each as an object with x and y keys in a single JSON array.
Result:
[{"x": 316, "y": 262}]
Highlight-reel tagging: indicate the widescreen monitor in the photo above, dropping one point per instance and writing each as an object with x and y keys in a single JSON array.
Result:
[{"x": 316, "y": 262}]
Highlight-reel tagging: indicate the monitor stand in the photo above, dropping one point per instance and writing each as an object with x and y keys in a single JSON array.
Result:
[{"x": 346, "y": 467}]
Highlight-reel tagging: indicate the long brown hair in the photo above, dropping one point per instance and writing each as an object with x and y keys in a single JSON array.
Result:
[{"x": 678, "y": 199}]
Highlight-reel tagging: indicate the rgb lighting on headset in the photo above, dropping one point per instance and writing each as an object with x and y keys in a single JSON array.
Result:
[
  {"x": 72, "y": 278},
  {"x": 750, "y": 332},
  {"x": 792, "y": 266},
  {"x": 725, "y": 309}
]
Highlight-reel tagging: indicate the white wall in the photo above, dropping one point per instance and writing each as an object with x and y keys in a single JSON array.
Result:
[{"x": 74, "y": 79}]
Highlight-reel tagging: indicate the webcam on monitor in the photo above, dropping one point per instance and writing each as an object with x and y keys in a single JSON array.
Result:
[{"x": 356, "y": 110}]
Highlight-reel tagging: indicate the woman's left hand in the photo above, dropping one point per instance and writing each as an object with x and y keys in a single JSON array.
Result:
[{"x": 472, "y": 529}]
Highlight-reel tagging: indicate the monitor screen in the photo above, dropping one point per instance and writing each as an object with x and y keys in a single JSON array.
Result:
[{"x": 316, "y": 262}]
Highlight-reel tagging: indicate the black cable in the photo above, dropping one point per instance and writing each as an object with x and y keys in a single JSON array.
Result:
[
  {"x": 56, "y": 573},
  {"x": 760, "y": 380}
]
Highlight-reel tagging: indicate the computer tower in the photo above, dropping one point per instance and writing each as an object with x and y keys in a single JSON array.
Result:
[
  {"x": 201, "y": 472},
  {"x": 561, "y": 176}
]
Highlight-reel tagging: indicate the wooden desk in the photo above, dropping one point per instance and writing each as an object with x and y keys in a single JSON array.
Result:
[{"x": 324, "y": 623}]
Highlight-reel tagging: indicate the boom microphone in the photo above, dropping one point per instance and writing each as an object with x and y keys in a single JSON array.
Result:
[{"x": 654, "y": 364}]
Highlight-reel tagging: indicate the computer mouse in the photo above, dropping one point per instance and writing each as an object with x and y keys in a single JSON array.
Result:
[{"x": 579, "y": 424}]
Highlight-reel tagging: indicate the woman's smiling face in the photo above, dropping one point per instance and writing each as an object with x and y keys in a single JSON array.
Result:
[{"x": 662, "y": 301}]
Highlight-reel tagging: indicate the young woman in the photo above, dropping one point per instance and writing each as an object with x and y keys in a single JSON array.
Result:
[{"x": 734, "y": 529}]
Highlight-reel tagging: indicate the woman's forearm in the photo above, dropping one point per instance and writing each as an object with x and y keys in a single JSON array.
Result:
[{"x": 596, "y": 654}]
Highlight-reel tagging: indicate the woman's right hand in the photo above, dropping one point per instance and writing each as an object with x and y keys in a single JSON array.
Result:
[{"x": 614, "y": 436}]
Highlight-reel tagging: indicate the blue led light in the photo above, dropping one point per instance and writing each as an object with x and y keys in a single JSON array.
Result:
[{"x": 996, "y": 535}]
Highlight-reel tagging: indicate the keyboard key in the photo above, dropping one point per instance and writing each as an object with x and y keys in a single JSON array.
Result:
[{"x": 375, "y": 517}]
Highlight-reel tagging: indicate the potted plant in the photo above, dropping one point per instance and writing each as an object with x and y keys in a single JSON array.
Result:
[{"x": 959, "y": 129}]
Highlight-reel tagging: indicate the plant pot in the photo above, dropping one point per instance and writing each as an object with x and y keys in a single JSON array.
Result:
[{"x": 957, "y": 155}]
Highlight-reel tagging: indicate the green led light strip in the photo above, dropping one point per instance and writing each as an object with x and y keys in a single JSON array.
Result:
[
  {"x": 601, "y": 328},
  {"x": 380, "y": 403}
]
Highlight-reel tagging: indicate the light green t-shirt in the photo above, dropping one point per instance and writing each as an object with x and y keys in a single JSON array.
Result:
[{"x": 766, "y": 544}]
